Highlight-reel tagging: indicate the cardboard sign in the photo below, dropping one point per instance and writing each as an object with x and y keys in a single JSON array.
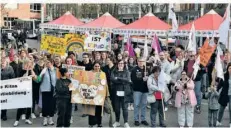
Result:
[
  {"x": 206, "y": 52},
  {"x": 16, "y": 93},
  {"x": 92, "y": 88},
  {"x": 97, "y": 41},
  {"x": 72, "y": 68}
]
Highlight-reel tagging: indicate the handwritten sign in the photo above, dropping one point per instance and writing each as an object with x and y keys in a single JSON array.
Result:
[
  {"x": 206, "y": 52},
  {"x": 72, "y": 68},
  {"x": 92, "y": 88},
  {"x": 16, "y": 91},
  {"x": 97, "y": 41}
]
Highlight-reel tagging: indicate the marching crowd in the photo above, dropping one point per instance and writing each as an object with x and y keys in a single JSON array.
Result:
[{"x": 133, "y": 84}]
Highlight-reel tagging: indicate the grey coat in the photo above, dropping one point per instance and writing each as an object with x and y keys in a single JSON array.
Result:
[{"x": 212, "y": 100}]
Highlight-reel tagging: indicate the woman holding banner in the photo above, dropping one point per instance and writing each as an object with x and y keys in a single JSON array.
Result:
[
  {"x": 95, "y": 112},
  {"x": 185, "y": 100}
]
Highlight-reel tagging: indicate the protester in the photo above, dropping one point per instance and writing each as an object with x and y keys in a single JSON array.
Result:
[
  {"x": 131, "y": 64},
  {"x": 156, "y": 87},
  {"x": 225, "y": 95},
  {"x": 103, "y": 58},
  {"x": 139, "y": 79},
  {"x": 86, "y": 62},
  {"x": 48, "y": 78},
  {"x": 57, "y": 62},
  {"x": 63, "y": 99},
  {"x": 120, "y": 78},
  {"x": 95, "y": 112},
  {"x": 7, "y": 72},
  {"x": 185, "y": 100}
]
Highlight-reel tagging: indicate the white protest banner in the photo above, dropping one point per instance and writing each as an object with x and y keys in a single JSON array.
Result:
[
  {"x": 72, "y": 68},
  {"x": 16, "y": 93},
  {"x": 97, "y": 41}
]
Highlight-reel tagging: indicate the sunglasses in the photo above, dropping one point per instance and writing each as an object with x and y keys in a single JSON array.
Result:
[{"x": 96, "y": 66}]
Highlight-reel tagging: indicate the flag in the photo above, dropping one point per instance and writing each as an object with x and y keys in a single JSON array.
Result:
[
  {"x": 196, "y": 67},
  {"x": 192, "y": 40},
  {"x": 218, "y": 64},
  {"x": 156, "y": 45},
  {"x": 172, "y": 15},
  {"x": 129, "y": 47},
  {"x": 145, "y": 54},
  {"x": 224, "y": 27}
]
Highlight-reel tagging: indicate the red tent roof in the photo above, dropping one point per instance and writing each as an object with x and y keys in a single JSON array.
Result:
[
  {"x": 105, "y": 21},
  {"x": 210, "y": 21},
  {"x": 66, "y": 19},
  {"x": 149, "y": 21}
]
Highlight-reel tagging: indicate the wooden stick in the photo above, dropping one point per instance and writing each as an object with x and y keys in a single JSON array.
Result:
[{"x": 163, "y": 106}]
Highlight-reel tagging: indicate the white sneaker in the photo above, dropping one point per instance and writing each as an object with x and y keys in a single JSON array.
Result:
[
  {"x": 40, "y": 115},
  {"x": 23, "y": 116},
  {"x": 230, "y": 125},
  {"x": 45, "y": 121},
  {"x": 116, "y": 124},
  {"x": 148, "y": 106},
  {"x": 170, "y": 102},
  {"x": 129, "y": 108},
  {"x": 16, "y": 123},
  {"x": 71, "y": 121},
  {"x": 181, "y": 126},
  {"x": 33, "y": 116},
  {"x": 28, "y": 122},
  {"x": 218, "y": 123},
  {"x": 166, "y": 109},
  {"x": 132, "y": 108},
  {"x": 50, "y": 121},
  {"x": 126, "y": 125}
]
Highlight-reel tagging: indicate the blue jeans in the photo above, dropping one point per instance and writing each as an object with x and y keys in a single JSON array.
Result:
[
  {"x": 197, "y": 90},
  {"x": 140, "y": 101}
]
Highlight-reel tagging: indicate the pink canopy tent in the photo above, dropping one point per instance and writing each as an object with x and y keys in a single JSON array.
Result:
[
  {"x": 104, "y": 23},
  {"x": 207, "y": 25},
  {"x": 66, "y": 22},
  {"x": 147, "y": 25}
]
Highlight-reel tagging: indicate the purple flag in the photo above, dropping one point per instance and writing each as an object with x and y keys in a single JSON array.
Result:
[
  {"x": 129, "y": 48},
  {"x": 156, "y": 44}
]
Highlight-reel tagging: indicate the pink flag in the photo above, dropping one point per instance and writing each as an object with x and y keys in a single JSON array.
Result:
[
  {"x": 156, "y": 44},
  {"x": 129, "y": 48}
]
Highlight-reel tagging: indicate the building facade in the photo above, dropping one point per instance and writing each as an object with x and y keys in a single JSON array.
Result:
[{"x": 11, "y": 12}]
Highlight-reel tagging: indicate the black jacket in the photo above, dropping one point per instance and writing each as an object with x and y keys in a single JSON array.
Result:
[
  {"x": 108, "y": 72},
  {"x": 200, "y": 72},
  {"x": 120, "y": 81},
  {"x": 224, "y": 85},
  {"x": 17, "y": 68},
  {"x": 137, "y": 75},
  {"x": 88, "y": 67},
  {"x": 7, "y": 73},
  {"x": 62, "y": 89}
]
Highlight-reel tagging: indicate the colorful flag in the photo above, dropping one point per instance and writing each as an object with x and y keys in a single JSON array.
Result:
[
  {"x": 172, "y": 15},
  {"x": 224, "y": 28},
  {"x": 156, "y": 45},
  {"x": 192, "y": 40},
  {"x": 129, "y": 48}
]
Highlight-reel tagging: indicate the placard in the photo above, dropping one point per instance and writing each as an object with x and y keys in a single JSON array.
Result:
[
  {"x": 97, "y": 41},
  {"x": 72, "y": 68},
  {"x": 92, "y": 88},
  {"x": 16, "y": 93}
]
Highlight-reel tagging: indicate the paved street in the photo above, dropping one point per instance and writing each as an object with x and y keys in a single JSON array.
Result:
[{"x": 200, "y": 120}]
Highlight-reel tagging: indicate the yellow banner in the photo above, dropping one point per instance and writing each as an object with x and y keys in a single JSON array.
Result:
[{"x": 60, "y": 46}]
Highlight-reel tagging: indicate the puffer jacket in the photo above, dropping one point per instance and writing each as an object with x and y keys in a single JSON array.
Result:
[
  {"x": 120, "y": 81},
  {"x": 62, "y": 89},
  {"x": 7, "y": 73}
]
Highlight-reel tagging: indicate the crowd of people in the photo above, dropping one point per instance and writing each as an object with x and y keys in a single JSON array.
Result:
[{"x": 134, "y": 83}]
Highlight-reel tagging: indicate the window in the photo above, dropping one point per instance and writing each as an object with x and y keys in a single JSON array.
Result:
[{"x": 35, "y": 7}]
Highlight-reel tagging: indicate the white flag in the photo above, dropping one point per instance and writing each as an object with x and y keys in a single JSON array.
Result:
[
  {"x": 218, "y": 65},
  {"x": 196, "y": 67},
  {"x": 224, "y": 27},
  {"x": 145, "y": 54},
  {"x": 192, "y": 40},
  {"x": 172, "y": 15}
]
